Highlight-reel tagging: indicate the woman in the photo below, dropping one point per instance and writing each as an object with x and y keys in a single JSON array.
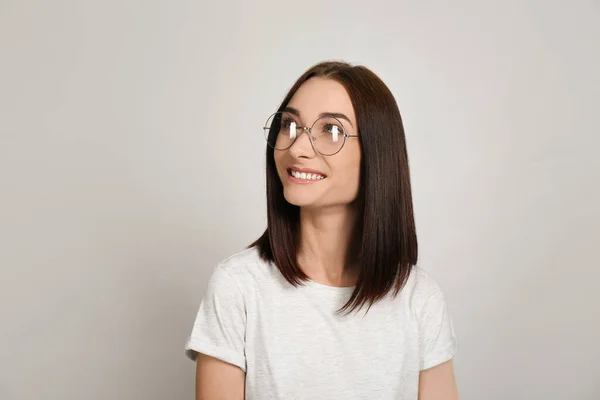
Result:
[{"x": 328, "y": 302}]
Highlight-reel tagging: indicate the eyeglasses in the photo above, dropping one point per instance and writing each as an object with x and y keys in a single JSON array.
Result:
[{"x": 327, "y": 134}]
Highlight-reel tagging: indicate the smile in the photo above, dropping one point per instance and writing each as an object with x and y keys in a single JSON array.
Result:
[{"x": 305, "y": 176}]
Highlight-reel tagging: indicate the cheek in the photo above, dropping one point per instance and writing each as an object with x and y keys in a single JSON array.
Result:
[
  {"x": 349, "y": 173},
  {"x": 279, "y": 158},
  {"x": 354, "y": 164},
  {"x": 354, "y": 176}
]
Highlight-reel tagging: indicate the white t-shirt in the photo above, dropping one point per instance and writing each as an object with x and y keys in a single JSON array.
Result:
[{"x": 292, "y": 343}]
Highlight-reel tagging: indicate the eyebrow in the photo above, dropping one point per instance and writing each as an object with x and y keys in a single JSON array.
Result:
[{"x": 292, "y": 110}]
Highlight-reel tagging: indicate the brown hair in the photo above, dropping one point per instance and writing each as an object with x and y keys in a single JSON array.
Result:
[{"x": 388, "y": 242}]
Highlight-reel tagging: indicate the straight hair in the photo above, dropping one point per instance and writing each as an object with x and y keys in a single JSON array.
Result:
[{"x": 386, "y": 228}]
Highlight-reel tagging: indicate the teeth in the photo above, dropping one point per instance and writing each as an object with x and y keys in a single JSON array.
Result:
[{"x": 305, "y": 176}]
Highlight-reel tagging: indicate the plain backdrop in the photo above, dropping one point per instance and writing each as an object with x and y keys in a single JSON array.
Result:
[{"x": 132, "y": 161}]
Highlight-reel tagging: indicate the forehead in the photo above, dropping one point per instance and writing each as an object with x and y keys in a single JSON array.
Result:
[{"x": 318, "y": 95}]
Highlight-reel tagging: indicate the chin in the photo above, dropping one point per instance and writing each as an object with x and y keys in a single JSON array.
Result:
[{"x": 300, "y": 199}]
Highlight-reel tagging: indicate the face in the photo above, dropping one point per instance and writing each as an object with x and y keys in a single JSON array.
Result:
[{"x": 337, "y": 176}]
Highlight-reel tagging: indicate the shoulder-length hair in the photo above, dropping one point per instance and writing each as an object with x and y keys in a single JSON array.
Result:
[{"x": 388, "y": 240}]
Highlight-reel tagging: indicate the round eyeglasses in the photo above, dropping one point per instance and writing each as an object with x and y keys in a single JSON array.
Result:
[{"x": 327, "y": 134}]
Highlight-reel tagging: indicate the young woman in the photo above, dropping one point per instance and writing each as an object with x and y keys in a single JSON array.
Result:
[{"x": 328, "y": 303}]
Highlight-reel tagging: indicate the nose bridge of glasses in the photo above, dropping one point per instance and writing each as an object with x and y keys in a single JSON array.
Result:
[
  {"x": 302, "y": 129},
  {"x": 297, "y": 141}
]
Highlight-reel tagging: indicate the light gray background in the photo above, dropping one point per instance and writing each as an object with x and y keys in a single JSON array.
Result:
[{"x": 131, "y": 162}]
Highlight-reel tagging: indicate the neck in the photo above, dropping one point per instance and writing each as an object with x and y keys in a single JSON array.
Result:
[{"x": 328, "y": 245}]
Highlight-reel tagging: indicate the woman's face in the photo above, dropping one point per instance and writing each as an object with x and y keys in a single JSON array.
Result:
[{"x": 341, "y": 171}]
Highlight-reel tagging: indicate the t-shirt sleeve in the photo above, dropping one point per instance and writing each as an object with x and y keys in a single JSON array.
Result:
[
  {"x": 437, "y": 341},
  {"x": 220, "y": 327}
]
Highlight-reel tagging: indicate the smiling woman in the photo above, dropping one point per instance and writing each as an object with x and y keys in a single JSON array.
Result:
[{"x": 328, "y": 303}]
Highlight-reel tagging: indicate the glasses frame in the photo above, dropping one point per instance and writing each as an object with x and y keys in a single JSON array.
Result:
[{"x": 303, "y": 129}]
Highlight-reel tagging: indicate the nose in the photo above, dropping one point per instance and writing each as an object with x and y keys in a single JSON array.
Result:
[{"x": 302, "y": 146}]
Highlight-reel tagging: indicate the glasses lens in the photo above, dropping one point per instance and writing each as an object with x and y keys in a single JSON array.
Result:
[
  {"x": 281, "y": 130},
  {"x": 328, "y": 135}
]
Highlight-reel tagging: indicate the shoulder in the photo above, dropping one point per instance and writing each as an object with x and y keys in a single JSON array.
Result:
[
  {"x": 421, "y": 288},
  {"x": 240, "y": 261},
  {"x": 246, "y": 268},
  {"x": 422, "y": 283}
]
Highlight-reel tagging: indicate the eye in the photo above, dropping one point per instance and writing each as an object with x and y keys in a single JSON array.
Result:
[
  {"x": 332, "y": 128},
  {"x": 286, "y": 122},
  {"x": 333, "y": 131}
]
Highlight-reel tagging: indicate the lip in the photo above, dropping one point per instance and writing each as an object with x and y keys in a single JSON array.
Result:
[{"x": 305, "y": 170}]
